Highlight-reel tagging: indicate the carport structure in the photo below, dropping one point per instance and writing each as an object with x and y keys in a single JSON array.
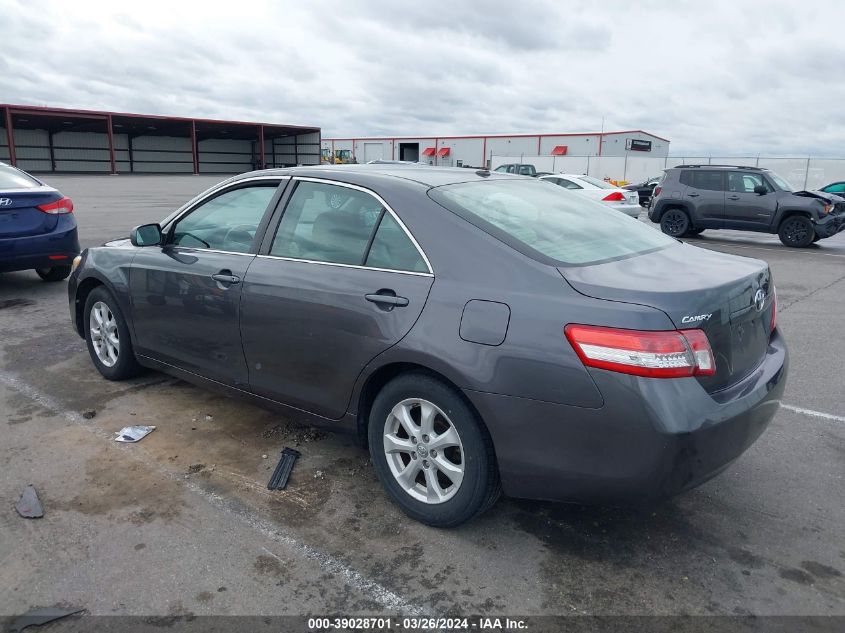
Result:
[{"x": 59, "y": 140}]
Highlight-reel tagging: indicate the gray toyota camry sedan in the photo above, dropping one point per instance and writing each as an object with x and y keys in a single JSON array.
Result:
[{"x": 480, "y": 332}]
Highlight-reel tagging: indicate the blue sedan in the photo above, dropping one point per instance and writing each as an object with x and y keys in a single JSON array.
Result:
[{"x": 37, "y": 227}]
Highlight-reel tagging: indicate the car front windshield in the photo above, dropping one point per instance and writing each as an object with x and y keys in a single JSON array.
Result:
[
  {"x": 547, "y": 222},
  {"x": 780, "y": 183}
]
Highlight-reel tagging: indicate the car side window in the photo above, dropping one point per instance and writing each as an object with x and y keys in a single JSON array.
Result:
[
  {"x": 393, "y": 249},
  {"x": 227, "y": 222},
  {"x": 501, "y": 168},
  {"x": 837, "y": 187},
  {"x": 327, "y": 223},
  {"x": 743, "y": 182},
  {"x": 709, "y": 180}
]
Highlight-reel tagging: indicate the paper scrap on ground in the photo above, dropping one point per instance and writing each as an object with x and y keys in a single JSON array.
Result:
[{"x": 133, "y": 433}]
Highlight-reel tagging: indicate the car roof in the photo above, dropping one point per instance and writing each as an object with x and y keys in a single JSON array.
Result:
[
  {"x": 746, "y": 167},
  {"x": 422, "y": 174}
]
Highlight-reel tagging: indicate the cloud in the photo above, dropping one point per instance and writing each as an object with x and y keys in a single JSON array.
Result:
[{"x": 714, "y": 77}]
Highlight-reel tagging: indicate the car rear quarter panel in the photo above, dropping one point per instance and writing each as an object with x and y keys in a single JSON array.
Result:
[{"x": 535, "y": 360}]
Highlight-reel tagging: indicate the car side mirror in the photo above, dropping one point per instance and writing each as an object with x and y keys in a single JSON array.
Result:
[
  {"x": 146, "y": 235},
  {"x": 760, "y": 190}
]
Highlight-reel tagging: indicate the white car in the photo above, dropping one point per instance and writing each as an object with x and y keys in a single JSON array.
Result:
[{"x": 628, "y": 202}]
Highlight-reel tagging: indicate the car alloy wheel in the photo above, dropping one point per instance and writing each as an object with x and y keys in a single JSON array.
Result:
[
  {"x": 423, "y": 451},
  {"x": 104, "y": 334},
  {"x": 674, "y": 223},
  {"x": 797, "y": 231}
]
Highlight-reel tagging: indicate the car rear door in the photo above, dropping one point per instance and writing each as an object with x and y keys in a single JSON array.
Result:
[
  {"x": 705, "y": 195},
  {"x": 340, "y": 281},
  {"x": 186, "y": 294},
  {"x": 745, "y": 209}
]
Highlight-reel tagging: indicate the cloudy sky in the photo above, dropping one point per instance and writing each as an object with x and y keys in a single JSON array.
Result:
[{"x": 739, "y": 77}]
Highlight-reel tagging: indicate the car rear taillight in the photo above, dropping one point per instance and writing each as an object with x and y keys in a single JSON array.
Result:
[
  {"x": 59, "y": 207},
  {"x": 616, "y": 196},
  {"x": 655, "y": 354},
  {"x": 656, "y": 191}
]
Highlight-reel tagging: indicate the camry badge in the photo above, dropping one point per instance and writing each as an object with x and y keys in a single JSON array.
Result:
[{"x": 760, "y": 300}]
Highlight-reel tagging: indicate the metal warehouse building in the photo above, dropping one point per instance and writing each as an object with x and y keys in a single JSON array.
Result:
[
  {"x": 477, "y": 151},
  {"x": 40, "y": 139}
]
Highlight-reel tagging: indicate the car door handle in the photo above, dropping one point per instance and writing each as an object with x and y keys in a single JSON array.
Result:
[
  {"x": 226, "y": 277},
  {"x": 733, "y": 197},
  {"x": 387, "y": 300},
  {"x": 692, "y": 195}
]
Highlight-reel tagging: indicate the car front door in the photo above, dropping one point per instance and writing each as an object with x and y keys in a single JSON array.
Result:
[
  {"x": 705, "y": 193},
  {"x": 186, "y": 293},
  {"x": 745, "y": 209},
  {"x": 339, "y": 282}
]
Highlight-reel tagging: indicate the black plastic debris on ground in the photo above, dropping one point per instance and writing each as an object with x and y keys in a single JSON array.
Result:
[
  {"x": 280, "y": 476},
  {"x": 29, "y": 505},
  {"x": 39, "y": 616}
]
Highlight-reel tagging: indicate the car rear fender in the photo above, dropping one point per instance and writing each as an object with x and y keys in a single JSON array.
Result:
[{"x": 664, "y": 206}]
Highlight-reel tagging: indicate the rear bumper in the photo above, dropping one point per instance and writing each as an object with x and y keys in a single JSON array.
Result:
[
  {"x": 628, "y": 209},
  {"x": 652, "y": 439},
  {"x": 27, "y": 253}
]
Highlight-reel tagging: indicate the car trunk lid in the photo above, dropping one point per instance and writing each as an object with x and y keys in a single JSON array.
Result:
[
  {"x": 730, "y": 298},
  {"x": 19, "y": 213}
]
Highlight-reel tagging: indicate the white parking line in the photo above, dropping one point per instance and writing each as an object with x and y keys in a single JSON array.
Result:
[
  {"x": 814, "y": 414},
  {"x": 328, "y": 563},
  {"x": 763, "y": 248}
]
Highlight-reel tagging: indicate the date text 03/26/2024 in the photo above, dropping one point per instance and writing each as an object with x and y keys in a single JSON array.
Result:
[{"x": 416, "y": 624}]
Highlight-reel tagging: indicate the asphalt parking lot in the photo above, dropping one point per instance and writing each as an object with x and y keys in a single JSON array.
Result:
[{"x": 181, "y": 523}]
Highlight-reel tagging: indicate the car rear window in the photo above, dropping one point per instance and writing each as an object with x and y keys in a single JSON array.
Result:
[
  {"x": 550, "y": 223},
  {"x": 11, "y": 178},
  {"x": 601, "y": 184}
]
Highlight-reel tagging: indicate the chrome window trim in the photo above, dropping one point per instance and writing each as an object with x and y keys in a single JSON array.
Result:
[
  {"x": 387, "y": 208},
  {"x": 357, "y": 266}
]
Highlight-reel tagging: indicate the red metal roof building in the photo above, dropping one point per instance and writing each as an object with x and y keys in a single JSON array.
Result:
[{"x": 43, "y": 139}]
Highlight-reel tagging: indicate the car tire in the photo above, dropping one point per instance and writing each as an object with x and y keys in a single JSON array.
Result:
[
  {"x": 54, "y": 273},
  {"x": 107, "y": 337},
  {"x": 675, "y": 223},
  {"x": 796, "y": 231},
  {"x": 419, "y": 479}
]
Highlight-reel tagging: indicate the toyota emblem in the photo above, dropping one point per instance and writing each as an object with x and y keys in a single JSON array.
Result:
[{"x": 760, "y": 300}]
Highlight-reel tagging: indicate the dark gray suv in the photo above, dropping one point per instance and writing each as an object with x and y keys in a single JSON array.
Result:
[{"x": 692, "y": 198}]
